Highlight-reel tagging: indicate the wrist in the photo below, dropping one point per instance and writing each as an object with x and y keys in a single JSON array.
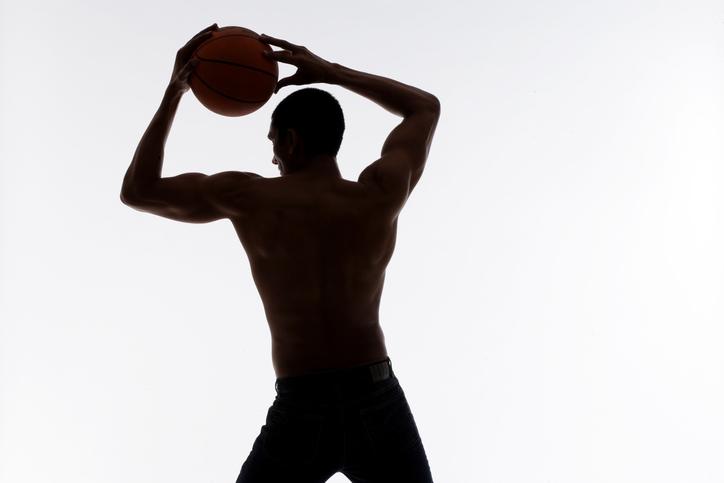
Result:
[
  {"x": 332, "y": 74},
  {"x": 173, "y": 92}
]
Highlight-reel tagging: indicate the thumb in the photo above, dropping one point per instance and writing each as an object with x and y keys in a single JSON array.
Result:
[{"x": 291, "y": 80}]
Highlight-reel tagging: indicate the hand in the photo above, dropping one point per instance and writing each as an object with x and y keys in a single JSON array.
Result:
[
  {"x": 184, "y": 66},
  {"x": 310, "y": 68}
]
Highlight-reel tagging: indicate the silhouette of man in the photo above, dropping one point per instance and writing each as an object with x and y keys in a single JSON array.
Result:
[{"x": 318, "y": 246}]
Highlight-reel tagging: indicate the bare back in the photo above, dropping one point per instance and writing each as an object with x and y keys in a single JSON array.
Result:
[
  {"x": 318, "y": 250},
  {"x": 318, "y": 245}
]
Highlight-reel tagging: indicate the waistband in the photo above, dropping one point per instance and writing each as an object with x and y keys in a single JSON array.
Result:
[{"x": 358, "y": 376}]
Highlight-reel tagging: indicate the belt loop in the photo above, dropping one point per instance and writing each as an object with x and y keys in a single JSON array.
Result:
[{"x": 380, "y": 371}]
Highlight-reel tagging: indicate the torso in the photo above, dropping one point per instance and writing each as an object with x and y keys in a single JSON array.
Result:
[{"x": 318, "y": 251}]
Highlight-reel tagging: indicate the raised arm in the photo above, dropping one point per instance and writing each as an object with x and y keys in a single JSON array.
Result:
[{"x": 406, "y": 149}]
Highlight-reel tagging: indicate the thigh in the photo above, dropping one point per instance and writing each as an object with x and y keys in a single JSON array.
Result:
[
  {"x": 287, "y": 448},
  {"x": 396, "y": 450}
]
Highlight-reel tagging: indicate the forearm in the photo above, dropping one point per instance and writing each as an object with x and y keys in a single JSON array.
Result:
[
  {"x": 398, "y": 98},
  {"x": 148, "y": 159}
]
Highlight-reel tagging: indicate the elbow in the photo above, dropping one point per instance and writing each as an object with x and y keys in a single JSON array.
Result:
[
  {"x": 133, "y": 193},
  {"x": 129, "y": 196},
  {"x": 126, "y": 191},
  {"x": 125, "y": 195},
  {"x": 430, "y": 104}
]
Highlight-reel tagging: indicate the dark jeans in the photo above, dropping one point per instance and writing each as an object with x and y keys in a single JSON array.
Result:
[{"x": 355, "y": 421}]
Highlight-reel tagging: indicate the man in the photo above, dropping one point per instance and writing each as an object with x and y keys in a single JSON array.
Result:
[{"x": 318, "y": 246}]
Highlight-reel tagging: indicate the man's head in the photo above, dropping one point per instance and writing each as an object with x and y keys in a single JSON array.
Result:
[{"x": 306, "y": 129}]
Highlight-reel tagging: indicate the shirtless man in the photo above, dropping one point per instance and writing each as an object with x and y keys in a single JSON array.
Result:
[{"x": 318, "y": 246}]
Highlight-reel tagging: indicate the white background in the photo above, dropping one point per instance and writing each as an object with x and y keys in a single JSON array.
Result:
[{"x": 554, "y": 306}]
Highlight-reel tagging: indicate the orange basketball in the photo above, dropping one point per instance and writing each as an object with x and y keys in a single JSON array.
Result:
[{"x": 232, "y": 77}]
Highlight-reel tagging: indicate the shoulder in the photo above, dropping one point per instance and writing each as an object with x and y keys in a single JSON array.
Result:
[
  {"x": 231, "y": 178},
  {"x": 226, "y": 182},
  {"x": 230, "y": 191}
]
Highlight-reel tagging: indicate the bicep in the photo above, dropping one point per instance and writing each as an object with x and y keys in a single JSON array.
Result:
[
  {"x": 412, "y": 138},
  {"x": 403, "y": 156},
  {"x": 194, "y": 197}
]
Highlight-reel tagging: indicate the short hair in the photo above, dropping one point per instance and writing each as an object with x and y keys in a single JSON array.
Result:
[{"x": 317, "y": 117}]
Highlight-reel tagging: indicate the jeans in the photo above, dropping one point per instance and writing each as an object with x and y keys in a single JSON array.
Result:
[{"x": 355, "y": 421}]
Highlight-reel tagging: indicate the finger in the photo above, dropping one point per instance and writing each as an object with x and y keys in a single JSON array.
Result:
[
  {"x": 281, "y": 56},
  {"x": 195, "y": 42},
  {"x": 278, "y": 42},
  {"x": 201, "y": 38},
  {"x": 287, "y": 81},
  {"x": 189, "y": 67},
  {"x": 203, "y": 35},
  {"x": 210, "y": 28}
]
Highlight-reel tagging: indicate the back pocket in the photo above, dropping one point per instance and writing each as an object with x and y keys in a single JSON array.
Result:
[
  {"x": 390, "y": 425},
  {"x": 291, "y": 435}
]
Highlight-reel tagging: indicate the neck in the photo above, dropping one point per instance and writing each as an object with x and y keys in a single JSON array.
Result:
[{"x": 319, "y": 167}]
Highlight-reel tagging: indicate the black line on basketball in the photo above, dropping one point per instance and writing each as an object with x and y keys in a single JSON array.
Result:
[
  {"x": 250, "y": 67},
  {"x": 222, "y": 37},
  {"x": 225, "y": 95}
]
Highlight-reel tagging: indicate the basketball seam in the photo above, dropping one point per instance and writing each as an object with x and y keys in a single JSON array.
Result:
[
  {"x": 214, "y": 39},
  {"x": 217, "y": 61},
  {"x": 225, "y": 95}
]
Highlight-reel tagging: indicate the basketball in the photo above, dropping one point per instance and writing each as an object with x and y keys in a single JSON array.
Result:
[{"x": 233, "y": 78}]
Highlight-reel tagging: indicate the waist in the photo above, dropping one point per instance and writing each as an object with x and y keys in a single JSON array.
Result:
[
  {"x": 353, "y": 379},
  {"x": 298, "y": 355}
]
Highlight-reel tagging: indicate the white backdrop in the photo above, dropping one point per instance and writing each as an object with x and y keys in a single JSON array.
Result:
[{"x": 554, "y": 306}]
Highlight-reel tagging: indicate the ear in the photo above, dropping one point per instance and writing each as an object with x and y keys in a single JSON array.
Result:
[{"x": 294, "y": 140}]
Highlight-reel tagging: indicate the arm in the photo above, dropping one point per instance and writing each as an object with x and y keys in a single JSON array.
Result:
[
  {"x": 189, "y": 197},
  {"x": 145, "y": 169},
  {"x": 398, "y": 98},
  {"x": 405, "y": 151}
]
